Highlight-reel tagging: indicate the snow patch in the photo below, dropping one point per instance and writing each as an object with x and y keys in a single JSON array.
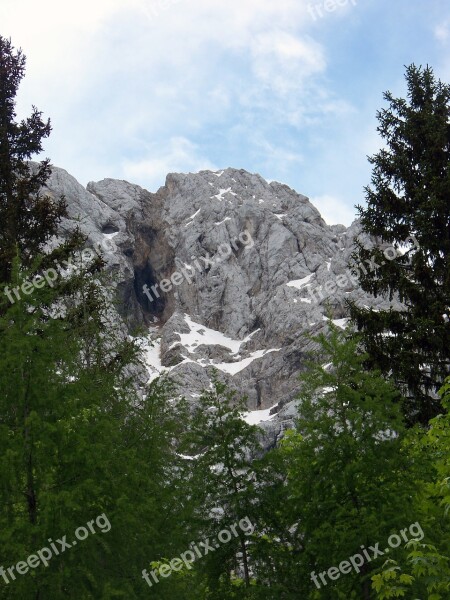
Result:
[
  {"x": 222, "y": 193},
  {"x": 342, "y": 323},
  {"x": 191, "y": 219},
  {"x": 194, "y": 215},
  {"x": 255, "y": 417},
  {"x": 109, "y": 245},
  {"x": 152, "y": 357},
  {"x": 220, "y": 222},
  {"x": 202, "y": 335},
  {"x": 237, "y": 367},
  {"x": 299, "y": 283},
  {"x": 186, "y": 457}
]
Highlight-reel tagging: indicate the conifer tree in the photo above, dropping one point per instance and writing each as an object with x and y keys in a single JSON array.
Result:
[
  {"x": 76, "y": 439},
  {"x": 409, "y": 200},
  {"x": 28, "y": 218}
]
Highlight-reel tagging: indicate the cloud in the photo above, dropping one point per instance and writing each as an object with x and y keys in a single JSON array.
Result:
[
  {"x": 180, "y": 155},
  {"x": 334, "y": 210},
  {"x": 442, "y": 31},
  {"x": 283, "y": 60},
  {"x": 138, "y": 88},
  {"x": 276, "y": 159}
]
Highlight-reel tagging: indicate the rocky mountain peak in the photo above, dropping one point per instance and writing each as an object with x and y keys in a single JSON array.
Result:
[{"x": 223, "y": 270}]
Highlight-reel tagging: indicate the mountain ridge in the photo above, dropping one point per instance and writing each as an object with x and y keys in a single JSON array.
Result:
[{"x": 247, "y": 312}]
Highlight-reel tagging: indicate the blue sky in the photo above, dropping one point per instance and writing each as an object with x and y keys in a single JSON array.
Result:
[{"x": 286, "y": 88}]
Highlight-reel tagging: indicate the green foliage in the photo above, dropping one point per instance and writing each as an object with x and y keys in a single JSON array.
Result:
[
  {"x": 76, "y": 442},
  {"x": 430, "y": 575},
  {"x": 409, "y": 197},
  {"x": 78, "y": 439},
  {"x": 28, "y": 219},
  {"x": 428, "y": 565},
  {"x": 224, "y": 480},
  {"x": 349, "y": 483},
  {"x": 438, "y": 438}
]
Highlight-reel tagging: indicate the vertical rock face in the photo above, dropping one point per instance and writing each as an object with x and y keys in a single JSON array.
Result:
[{"x": 237, "y": 272}]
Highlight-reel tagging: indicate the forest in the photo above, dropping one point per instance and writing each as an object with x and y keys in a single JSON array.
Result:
[{"x": 111, "y": 491}]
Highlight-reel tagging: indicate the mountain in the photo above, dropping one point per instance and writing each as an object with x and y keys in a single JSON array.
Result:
[{"x": 221, "y": 269}]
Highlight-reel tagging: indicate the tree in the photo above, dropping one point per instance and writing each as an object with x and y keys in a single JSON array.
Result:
[
  {"x": 409, "y": 197},
  {"x": 77, "y": 439},
  {"x": 224, "y": 482},
  {"x": 28, "y": 219},
  {"x": 76, "y": 442},
  {"x": 275, "y": 553},
  {"x": 427, "y": 565},
  {"x": 349, "y": 484}
]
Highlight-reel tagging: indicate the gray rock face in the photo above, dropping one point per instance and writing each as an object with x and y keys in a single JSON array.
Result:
[{"x": 237, "y": 272}]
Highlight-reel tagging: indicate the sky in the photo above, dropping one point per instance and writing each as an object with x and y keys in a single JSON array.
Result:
[{"x": 289, "y": 89}]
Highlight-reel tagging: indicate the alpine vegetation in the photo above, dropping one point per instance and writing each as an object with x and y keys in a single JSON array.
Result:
[{"x": 212, "y": 361}]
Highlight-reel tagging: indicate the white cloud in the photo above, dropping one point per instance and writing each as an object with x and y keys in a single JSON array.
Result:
[
  {"x": 277, "y": 159},
  {"x": 130, "y": 85},
  {"x": 442, "y": 31},
  {"x": 283, "y": 60},
  {"x": 78, "y": 45},
  {"x": 334, "y": 210},
  {"x": 180, "y": 155}
]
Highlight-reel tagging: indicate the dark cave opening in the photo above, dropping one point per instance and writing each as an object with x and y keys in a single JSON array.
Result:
[
  {"x": 152, "y": 302},
  {"x": 108, "y": 228}
]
